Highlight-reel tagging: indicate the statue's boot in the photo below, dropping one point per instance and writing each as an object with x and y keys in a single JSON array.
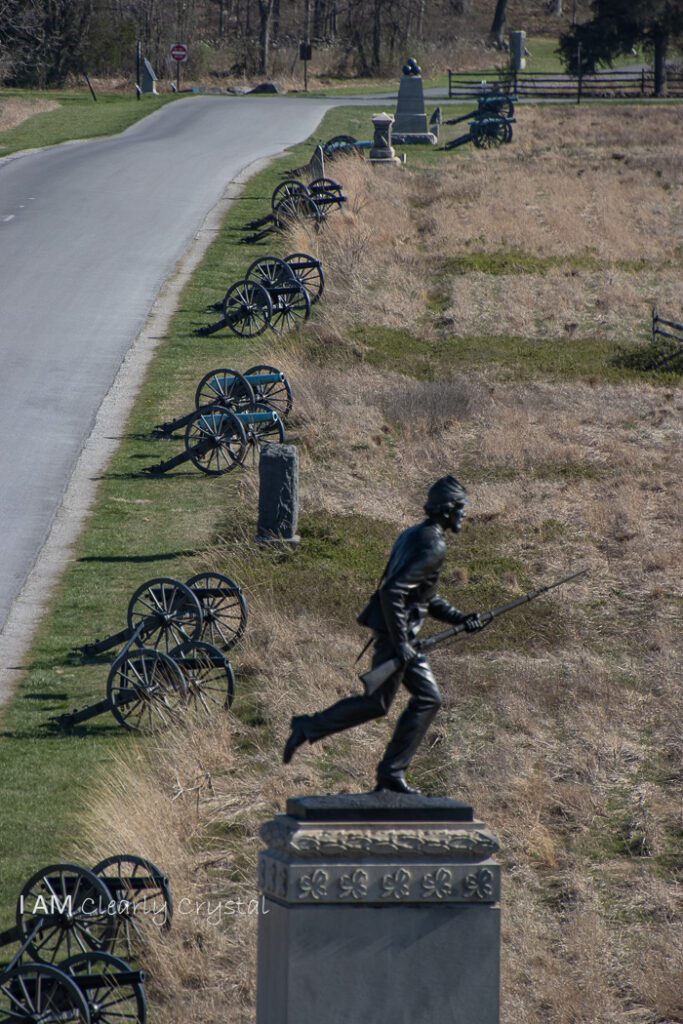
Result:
[
  {"x": 394, "y": 783},
  {"x": 296, "y": 738}
]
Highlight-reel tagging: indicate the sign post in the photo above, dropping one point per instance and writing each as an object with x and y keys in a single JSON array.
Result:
[{"x": 179, "y": 53}]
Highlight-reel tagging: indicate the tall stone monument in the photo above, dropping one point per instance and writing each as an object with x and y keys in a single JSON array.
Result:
[
  {"x": 411, "y": 117},
  {"x": 379, "y": 908}
]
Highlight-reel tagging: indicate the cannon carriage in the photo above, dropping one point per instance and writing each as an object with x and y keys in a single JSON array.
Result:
[
  {"x": 70, "y": 924},
  {"x": 174, "y": 659},
  {"x": 260, "y": 385},
  {"x": 276, "y": 293}
]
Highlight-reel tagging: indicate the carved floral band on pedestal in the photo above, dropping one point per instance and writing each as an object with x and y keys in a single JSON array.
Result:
[
  {"x": 313, "y": 886},
  {"x": 479, "y": 884},
  {"x": 354, "y": 885},
  {"x": 437, "y": 884},
  {"x": 396, "y": 885}
]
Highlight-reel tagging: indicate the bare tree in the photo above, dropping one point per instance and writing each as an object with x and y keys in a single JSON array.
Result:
[
  {"x": 265, "y": 8},
  {"x": 498, "y": 24}
]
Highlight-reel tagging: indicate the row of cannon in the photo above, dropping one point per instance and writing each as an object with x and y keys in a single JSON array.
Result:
[
  {"x": 291, "y": 200},
  {"x": 275, "y": 294},
  {"x": 173, "y": 661},
  {"x": 72, "y": 925},
  {"x": 234, "y": 415}
]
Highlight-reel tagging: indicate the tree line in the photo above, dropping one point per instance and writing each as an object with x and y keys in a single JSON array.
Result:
[{"x": 43, "y": 42}]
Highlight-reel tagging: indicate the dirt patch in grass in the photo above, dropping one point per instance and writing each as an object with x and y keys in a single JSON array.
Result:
[{"x": 14, "y": 112}]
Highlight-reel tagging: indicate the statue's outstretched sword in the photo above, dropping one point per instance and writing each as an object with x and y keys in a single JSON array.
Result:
[{"x": 378, "y": 675}]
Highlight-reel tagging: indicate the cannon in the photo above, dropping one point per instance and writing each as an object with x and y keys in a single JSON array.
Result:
[
  {"x": 67, "y": 911},
  {"x": 325, "y": 192},
  {"x": 489, "y": 105},
  {"x": 341, "y": 145},
  {"x": 486, "y": 132},
  {"x": 149, "y": 691},
  {"x": 163, "y": 612},
  {"x": 146, "y": 691},
  {"x": 217, "y": 440},
  {"x": 275, "y": 293},
  {"x": 291, "y": 207},
  {"x": 263, "y": 385}
]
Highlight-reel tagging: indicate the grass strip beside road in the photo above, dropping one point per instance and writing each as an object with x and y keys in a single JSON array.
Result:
[
  {"x": 77, "y": 117},
  {"x": 140, "y": 528}
]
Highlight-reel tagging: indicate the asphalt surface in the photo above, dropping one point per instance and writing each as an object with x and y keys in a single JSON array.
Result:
[{"x": 89, "y": 232}]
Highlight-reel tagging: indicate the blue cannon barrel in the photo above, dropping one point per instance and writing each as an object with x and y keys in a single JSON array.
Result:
[
  {"x": 257, "y": 417},
  {"x": 265, "y": 378}
]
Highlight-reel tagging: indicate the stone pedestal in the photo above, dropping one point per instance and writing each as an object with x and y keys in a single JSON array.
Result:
[
  {"x": 382, "y": 151},
  {"x": 378, "y": 909},
  {"x": 411, "y": 117},
  {"x": 278, "y": 507}
]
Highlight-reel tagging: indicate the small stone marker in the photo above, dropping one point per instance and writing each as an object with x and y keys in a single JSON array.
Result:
[
  {"x": 149, "y": 79},
  {"x": 278, "y": 509},
  {"x": 382, "y": 151},
  {"x": 378, "y": 907},
  {"x": 316, "y": 166},
  {"x": 411, "y": 117}
]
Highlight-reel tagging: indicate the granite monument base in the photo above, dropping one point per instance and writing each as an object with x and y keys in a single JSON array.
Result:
[{"x": 378, "y": 909}]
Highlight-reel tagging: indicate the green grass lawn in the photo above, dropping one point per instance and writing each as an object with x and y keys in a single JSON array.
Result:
[
  {"x": 141, "y": 527},
  {"x": 78, "y": 117}
]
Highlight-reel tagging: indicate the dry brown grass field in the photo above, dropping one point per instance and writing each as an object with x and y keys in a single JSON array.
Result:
[
  {"x": 561, "y": 724},
  {"x": 14, "y": 111}
]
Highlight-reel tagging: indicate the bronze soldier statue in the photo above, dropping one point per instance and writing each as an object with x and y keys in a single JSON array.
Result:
[{"x": 407, "y": 593}]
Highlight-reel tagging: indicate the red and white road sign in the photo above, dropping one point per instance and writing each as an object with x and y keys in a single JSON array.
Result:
[{"x": 179, "y": 52}]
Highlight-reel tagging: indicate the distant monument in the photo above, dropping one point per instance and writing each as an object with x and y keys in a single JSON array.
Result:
[
  {"x": 382, "y": 151},
  {"x": 149, "y": 79},
  {"x": 411, "y": 117}
]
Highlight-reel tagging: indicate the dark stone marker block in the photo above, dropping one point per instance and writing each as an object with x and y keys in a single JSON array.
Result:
[{"x": 278, "y": 513}]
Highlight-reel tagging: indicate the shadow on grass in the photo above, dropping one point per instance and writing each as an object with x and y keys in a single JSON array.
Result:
[{"x": 160, "y": 556}]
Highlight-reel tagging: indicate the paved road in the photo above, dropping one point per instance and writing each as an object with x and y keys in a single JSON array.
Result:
[{"x": 88, "y": 234}]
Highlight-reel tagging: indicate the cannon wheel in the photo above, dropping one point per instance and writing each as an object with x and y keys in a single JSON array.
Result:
[
  {"x": 69, "y": 931},
  {"x": 158, "y": 685},
  {"x": 271, "y": 272},
  {"x": 110, "y": 1000},
  {"x": 40, "y": 992},
  {"x": 224, "y": 387},
  {"x": 208, "y": 674},
  {"x": 490, "y": 133},
  {"x": 150, "y": 901},
  {"x": 227, "y": 444},
  {"x": 247, "y": 308},
  {"x": 291, "y": 308},
  {"x": 329, "y": 188},
  {"x": 297, "y": 205},
  {"x": 278, "y": 394},
  {"x": 289, "y": 187},
  {"x": 173, "y": 611},
  {"x": 225, "y": 609},
  {"x": 309, "y": 271}
]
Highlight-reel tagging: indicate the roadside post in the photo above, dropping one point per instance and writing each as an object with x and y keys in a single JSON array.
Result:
[
  {"x": 179, "y": 53},
  {"x": 138, "y": 66}
]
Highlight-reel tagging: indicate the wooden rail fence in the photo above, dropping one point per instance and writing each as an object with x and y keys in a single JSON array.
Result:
[{"x": 613, "y": 84}]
